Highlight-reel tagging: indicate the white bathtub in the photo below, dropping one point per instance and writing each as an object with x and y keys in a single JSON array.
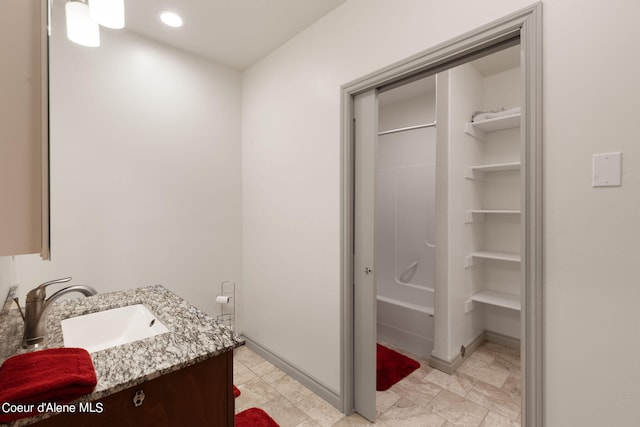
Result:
[{"x": 405, "y": 325}]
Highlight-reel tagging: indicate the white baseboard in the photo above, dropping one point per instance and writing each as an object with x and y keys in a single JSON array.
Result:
[
  {"x": 502, "y": 339},
  {"x": 311, "y": 383},
  {"x": 449, "y": 367}
]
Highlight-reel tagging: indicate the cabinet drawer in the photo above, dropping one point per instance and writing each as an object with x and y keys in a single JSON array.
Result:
[{"x": 198, "y": 395}]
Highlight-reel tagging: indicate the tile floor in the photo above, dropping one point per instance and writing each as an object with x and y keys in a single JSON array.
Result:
[{"x": 484, "y": 392}]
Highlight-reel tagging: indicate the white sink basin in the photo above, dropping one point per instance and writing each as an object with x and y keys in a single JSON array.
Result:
[{"x": 109, "y": 328}]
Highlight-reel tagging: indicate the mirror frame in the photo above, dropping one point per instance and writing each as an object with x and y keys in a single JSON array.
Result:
[{"x": 525, "y": 24}]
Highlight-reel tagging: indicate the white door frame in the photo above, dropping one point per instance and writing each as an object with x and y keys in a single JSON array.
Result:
[{"x": 527, "y": 25}]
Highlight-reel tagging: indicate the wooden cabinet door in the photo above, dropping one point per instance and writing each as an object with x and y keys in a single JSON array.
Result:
[
  {"x": 197, "y": 396},
  {"x": 24, "y": 218}
]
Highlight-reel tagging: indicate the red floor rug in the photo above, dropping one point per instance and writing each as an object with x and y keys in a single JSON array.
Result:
[
  {"x": 254, "y": 417},
  {"x": 236, "y": 391},
  {"x": 391, "y": 367}
]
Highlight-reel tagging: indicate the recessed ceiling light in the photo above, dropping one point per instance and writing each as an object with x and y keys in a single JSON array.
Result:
[{"x": 171, "y": 19}]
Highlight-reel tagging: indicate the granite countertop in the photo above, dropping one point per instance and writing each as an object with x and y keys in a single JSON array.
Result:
[{"x": 193, "y": 337}]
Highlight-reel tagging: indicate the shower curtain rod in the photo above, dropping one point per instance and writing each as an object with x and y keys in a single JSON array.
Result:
[{"x": 426, "y": 125}]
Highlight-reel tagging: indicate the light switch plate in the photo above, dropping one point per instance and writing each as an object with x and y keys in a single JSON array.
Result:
[{"x": 607, "y": 169}]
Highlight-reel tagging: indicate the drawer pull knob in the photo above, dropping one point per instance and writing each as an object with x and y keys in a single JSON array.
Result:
[{"x": 138, "y": 398}]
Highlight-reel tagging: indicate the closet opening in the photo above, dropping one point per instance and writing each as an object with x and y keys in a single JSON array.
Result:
[
  {"x": 442, "y": 203},
  {"x": 471, "y": 115}
]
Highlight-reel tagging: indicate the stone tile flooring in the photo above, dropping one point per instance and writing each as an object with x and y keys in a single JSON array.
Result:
[{"x": 484, "y": 392}]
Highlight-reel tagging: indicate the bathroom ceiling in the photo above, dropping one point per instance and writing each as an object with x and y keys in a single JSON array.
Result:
[{"x": 236, "y": 33}]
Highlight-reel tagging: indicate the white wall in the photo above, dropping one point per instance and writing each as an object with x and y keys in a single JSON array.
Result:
[
  {"x": 291, "y": 166},
  {"x": 591, "y": 235},
  {"x": 464, "y": 92},
  {"x": 5, "y": 277},
  {"x": 396, "y": 109},
  {"x": 291, "y": 217},
  {"x": 145, "y": 169}
]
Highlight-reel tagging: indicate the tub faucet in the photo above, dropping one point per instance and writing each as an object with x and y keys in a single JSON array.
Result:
[{"x": 37, "y": 307}]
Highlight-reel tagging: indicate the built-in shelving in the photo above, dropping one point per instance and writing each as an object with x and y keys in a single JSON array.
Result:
[
  {"x": 477, "y": 172},
  {"x": 478, "y": 129},
  {"x": 492, "y": 167},
  {"x": 476, "y": 215},
  {"x": 496, "y": 298}
]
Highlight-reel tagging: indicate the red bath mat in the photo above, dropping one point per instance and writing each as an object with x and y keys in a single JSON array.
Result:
[
  {"x": 254, "y": 417},
  {"x": 391, "y": 367},
  {"x": 236, "y": 391}
]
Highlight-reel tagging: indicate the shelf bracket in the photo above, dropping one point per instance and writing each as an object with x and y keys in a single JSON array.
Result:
[
  {"x": 471, "y": 173},
  {"x": 468, "y": 261},
  {"x": 471, "y": 217},
  {"x": 472, "y": 131}
]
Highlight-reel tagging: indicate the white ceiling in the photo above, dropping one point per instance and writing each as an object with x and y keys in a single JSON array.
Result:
[{"x": 236, "y": 33}]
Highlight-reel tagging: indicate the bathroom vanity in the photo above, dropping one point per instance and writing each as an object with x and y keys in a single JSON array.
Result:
[
  {"x": 198, "y": 395},
  {"x": 181, "y": 377}
]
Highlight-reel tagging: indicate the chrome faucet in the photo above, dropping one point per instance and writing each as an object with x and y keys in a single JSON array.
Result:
[{"x": 36, "y": 309}]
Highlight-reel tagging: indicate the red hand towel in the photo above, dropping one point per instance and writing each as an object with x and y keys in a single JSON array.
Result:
[{"x": 55, "y": 375}]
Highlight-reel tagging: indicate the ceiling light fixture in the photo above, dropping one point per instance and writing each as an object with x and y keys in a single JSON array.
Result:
[
  {"x": 108, "y": 13},
  {"x": 171, "y": 19},
  {"x": 81, "y": 29}
]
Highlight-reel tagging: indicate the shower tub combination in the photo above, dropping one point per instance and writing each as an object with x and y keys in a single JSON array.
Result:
[{"x": 405, "y": 233}]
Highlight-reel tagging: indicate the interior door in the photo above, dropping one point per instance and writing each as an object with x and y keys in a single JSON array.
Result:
[{"x": 365, "y": 291}]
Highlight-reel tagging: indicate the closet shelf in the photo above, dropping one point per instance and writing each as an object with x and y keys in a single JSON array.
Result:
[
  {"x": 478, "y": 129},
  {"x": 477, "y": 172},
  {"x": 469, "y": 218},
  {"x": 500, "y": 299}
]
